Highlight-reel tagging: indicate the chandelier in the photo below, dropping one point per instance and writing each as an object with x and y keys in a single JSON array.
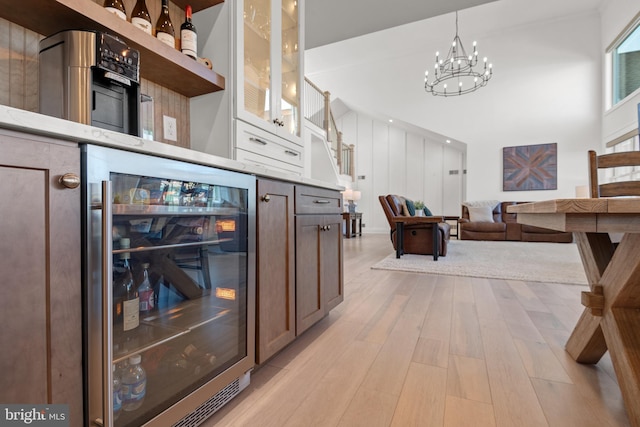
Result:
[{"x": 457, "y": 70}]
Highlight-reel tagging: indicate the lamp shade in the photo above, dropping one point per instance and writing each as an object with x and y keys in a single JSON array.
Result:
[
  {"x": 347, "y": 194},
  {"x": 582, "y": 191},
  {"x": 356, "y": 195}
]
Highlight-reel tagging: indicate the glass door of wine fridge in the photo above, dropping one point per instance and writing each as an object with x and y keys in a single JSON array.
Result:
[{"x": 169, "y": 288}]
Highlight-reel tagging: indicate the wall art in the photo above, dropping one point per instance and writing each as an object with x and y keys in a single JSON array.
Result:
[{"x": 530, "y": 167}]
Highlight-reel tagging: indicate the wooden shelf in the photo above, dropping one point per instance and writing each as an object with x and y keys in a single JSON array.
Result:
[{"x": 158, "y": 62}]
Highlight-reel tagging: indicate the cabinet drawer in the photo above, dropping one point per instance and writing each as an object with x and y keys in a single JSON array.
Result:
[
  {"x": 251, "y": 158},
  {"x": 264, "y": 144},
  {"x": 312, "y": 200}
]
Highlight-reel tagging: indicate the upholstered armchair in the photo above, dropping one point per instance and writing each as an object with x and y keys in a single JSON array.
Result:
[{"x": 418, "y": 238}]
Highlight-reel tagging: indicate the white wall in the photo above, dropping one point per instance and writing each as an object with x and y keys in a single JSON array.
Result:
[
  {"x": 623, "y": 117},
  {"x": 394, "y": 160},
  {"x": 545, "y": 89},
  {"x": 551, "y": 96},
  {"x": 211, "y": 114}
]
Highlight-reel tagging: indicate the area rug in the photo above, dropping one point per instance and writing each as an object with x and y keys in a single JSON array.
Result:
[{"x": 527, "y": 261}]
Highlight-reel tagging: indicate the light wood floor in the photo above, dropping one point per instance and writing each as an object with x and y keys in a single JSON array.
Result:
[{"x": 407, "y": 349}]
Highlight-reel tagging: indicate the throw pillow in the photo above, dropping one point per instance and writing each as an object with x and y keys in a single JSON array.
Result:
[
  {"x": 411, "y": 208},
  {"x": 427, "y": 212},
  {"x": 481, "y": 213}
]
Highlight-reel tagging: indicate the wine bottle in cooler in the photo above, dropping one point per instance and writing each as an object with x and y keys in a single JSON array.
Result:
[
  {"x": 116, "y": 7},
  {"x": 164, "y": 28},
  {"x": 140, "y": 17},
  {"x": 145, "y": 291},
  {"x": 127, "y": 288},
  {"x": 188, "y": 36}
]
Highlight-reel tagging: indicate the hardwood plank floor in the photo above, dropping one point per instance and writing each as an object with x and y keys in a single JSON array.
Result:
[{"x": 409, "y": 349}]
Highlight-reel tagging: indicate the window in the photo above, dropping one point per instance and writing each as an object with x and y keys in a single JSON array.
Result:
[{"x": 625, "y": 57}]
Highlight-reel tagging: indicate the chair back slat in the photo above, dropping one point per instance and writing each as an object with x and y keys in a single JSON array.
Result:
[
  {"x": 617, "y": 189},
  {"x": 613, "y": 160}
]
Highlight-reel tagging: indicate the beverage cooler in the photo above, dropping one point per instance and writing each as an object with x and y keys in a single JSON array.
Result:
[{"x": 169, "y": 288}]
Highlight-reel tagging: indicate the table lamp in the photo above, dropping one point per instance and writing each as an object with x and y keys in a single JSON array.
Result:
[{"x": 353, "y": 196}]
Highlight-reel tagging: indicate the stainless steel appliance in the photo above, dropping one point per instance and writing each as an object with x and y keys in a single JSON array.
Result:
[
  {"x": 92, "y": 78},
  {"x": 197, "y": 343}
]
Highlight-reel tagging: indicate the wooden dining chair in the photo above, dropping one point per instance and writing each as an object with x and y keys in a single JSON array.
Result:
[{"x": 613, "y": 160}]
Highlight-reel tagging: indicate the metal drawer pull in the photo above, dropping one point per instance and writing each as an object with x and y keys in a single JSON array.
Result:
[
  {"x": 266, "y": 198},
  {"x": 322, "y": 201},
  {"x": 325, "y": 228},
  {"x": 258, "y": 140},
  {"x": 291, "y": 153}
]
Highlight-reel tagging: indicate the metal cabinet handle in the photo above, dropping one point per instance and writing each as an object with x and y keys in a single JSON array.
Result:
[
  {"x": 258, "y": 140},
  {"x": 291, "y": 153},
  {"x": 69, "y": 180},
  {"x": 266, "y": 198},
  {"x": 322, "y": 201},
  {"x": 107, "y": 304},
  {"x": 328, "y": 228}
]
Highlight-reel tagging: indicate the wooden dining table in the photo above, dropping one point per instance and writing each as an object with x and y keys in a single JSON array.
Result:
[{"x": 611, "y": 318}]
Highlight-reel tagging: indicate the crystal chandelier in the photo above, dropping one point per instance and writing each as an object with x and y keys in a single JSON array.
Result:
[{"x": 457, "y": 70}]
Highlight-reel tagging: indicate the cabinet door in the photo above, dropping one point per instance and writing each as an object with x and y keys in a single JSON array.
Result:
[
  {"x": 309, "y": 292},
  {"x": 40, "y": 300},
  {"x": 276, "y": 268},
  {"x": 331, "y": 261},
  {"x": 290, "y": 70},
  {"x": 269, "y": 65}
]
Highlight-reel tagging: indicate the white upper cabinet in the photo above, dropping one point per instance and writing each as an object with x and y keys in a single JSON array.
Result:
[{"x": 269, "y": 69}]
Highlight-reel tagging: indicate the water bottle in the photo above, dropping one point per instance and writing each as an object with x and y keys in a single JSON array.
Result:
[
  {"x": 117, "y": 393},
  {"x": 134, "y": 384}
]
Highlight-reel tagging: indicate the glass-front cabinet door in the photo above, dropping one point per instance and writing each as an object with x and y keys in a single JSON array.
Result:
[
  {"x": 179, "y": 287},
  {"x": 269, "y": 66},
  {"x": 170, "y": 255},
  {"x": 290, "y": 68}
]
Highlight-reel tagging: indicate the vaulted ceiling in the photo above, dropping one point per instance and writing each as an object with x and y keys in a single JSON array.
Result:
[
  {"x": 381, "y": 72},
  {"x": 330, "y": 21}
]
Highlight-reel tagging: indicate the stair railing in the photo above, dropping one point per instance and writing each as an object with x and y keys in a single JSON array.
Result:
[{"x": 317, "y": 109}]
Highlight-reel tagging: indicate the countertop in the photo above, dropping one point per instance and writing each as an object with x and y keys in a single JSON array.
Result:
[{"x": 40, "y": 124}]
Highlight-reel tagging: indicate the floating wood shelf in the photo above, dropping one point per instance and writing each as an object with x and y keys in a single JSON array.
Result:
[{"x": 159, "y": 63}]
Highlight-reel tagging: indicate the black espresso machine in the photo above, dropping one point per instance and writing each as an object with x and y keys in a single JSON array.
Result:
[{"x": 90, "y": 77}]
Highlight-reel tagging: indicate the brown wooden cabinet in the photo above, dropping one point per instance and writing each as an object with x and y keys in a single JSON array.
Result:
[
  {"x": 275, "y": 285},
  {"x": 319, "y": 277},
  {"x": 40, "y": 293}
]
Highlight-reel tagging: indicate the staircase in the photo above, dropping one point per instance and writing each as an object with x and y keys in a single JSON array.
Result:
[{"x": 317, "y": 108}]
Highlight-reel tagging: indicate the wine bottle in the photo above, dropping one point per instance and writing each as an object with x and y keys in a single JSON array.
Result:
[
  {"x": 188, "y": 36},
  {"x": 164, "y": 28},
  {"x": 130, "y": 299},
  {"x": 145, "y": 291},
  {"x": 140, "y": 17},
  {"x": 116, "y": 7}
]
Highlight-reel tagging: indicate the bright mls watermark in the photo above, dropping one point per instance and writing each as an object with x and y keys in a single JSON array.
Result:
[{"x": 34, "y": 415}]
